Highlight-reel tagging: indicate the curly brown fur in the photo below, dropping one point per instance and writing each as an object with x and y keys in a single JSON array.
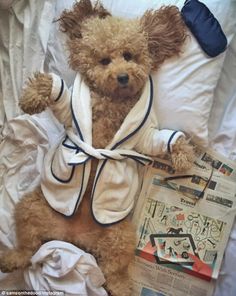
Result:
[
  {"x": 101, "y": 48},
  {"x": 37, "y": 223},
  {"x": 166, "y": 33},
  {"x": 71, "y": 20},
  {"x": 182, "y": 155},
  {"x": 98, "y": 43},
  {"x": 36, "y": 97}
]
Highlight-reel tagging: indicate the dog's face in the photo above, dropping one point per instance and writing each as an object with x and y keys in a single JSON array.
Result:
[{"x": 114, "y": 55}]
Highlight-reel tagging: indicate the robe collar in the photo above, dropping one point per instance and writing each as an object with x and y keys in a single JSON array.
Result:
[{"x": 82, "y": 113}]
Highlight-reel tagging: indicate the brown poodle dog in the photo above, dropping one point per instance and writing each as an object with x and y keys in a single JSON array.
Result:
[{"x": 102, "y": 49}]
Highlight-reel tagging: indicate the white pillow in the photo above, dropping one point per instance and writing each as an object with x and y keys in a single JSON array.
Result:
[
  {"x": 184, "y": 86},
  {"x": 183, "y": 91}
]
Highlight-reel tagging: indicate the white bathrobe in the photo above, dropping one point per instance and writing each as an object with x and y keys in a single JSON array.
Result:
[{"x": 118, "y": 179}]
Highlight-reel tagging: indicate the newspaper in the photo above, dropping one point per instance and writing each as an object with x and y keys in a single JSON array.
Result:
[{"x": 183, "y": 225}]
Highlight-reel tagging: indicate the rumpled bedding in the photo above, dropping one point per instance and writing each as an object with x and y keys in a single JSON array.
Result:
[
  {"x": 31, "y": 46},
  {"x": 56, "y": 260},
  {"x": 222, "y": 131}
]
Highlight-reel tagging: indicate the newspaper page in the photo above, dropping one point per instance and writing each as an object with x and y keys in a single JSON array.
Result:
[{"x": 183, "y": 225}]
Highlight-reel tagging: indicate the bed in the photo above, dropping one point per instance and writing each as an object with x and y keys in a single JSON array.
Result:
[{"x": 201, "y": 91}]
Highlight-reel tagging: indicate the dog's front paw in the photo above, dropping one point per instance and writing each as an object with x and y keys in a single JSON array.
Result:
[
  {"x": 182, "y": 155},
  {"x": 36, "y": 95}
]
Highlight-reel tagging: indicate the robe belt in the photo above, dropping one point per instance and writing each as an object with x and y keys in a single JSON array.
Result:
[{"x": 86, "y": 151}]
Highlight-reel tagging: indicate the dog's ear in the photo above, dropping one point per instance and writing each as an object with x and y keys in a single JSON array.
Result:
[
  {"x": 71, "y": 20},
  {"x": 166, "y": 33}
]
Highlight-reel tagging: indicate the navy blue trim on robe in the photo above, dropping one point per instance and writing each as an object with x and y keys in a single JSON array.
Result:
[
  {"x": 118, "y": 144},
  {"x": 169, "y": 141},
  {"x": 72, "y": 165},
  {"x": 61, "y": 91},
  {"x": 104, "y": 162}
]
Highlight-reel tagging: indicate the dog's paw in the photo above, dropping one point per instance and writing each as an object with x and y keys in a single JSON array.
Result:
[
  {"x": 182, "y": 155},
  {"x": 36, "y": 95},
  {"x": 123, "y": 288},
  {"x": 7, "y": 265},
  {"x": 15, "y": 259}
]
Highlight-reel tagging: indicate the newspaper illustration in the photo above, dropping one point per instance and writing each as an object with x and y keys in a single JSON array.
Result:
[
  {"x": 172, "y": 235},
  {"x": 184, "y": 220}
]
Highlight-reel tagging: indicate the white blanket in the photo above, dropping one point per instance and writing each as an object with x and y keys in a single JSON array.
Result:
[{"x": 60, "y": 266}]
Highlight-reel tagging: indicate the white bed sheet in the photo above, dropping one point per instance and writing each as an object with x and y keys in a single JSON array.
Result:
[
  {"x": 21, "y": 156},
  {"x": 222, "y": 132},
  {"x": 222, "y": 122}
]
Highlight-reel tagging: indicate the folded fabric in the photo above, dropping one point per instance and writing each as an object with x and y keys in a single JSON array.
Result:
[
  {"x": 5, "y": 4},
  {"x": 205, "y": 27},
  {"x": 60, "y": 266}
]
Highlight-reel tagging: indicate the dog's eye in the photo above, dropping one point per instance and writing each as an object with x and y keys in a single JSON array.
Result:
[
  {"x": 105, "y": 61},
  {"x": 127, "y": 56}
]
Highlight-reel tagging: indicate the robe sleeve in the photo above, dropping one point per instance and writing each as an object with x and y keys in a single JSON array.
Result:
[
  {"x": 61, "y": 97},
  {"x": 156, "y": 142}
]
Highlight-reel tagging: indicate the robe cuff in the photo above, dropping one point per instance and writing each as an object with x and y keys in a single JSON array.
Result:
[
  {"x": 173, "y": 138},
  {"x": 57, "y": 87},
  {"x": 163, "y": 140}
]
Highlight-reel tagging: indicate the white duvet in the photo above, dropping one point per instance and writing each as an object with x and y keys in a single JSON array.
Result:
[{"x": 26, "y": 139}]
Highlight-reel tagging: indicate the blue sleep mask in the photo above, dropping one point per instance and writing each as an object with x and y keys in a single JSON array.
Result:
[{"x": 205, "y": 27}]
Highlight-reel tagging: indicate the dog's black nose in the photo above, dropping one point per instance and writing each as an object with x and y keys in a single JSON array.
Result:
[{"x": 123, "y": 78}]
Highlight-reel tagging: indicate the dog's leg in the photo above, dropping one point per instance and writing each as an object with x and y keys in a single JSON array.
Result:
[
  {"x": 14, "y": 259},
  {"x": 114, "y": 248},
  {"x": 115, "y": 251},
  {"x": 35, "y": 223}
]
